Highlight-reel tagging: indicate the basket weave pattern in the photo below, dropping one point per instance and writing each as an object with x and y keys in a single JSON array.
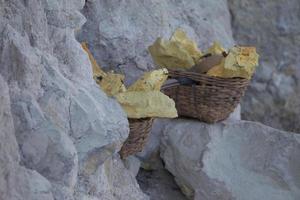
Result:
[
  {"x": 210, "y": 99},
  {"x": 138, "y": 135}
]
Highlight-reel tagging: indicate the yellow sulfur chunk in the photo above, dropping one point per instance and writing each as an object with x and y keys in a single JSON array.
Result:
[
  {"x": 180, "y": 37},
  {"x": 150, "y": 81},
  {"x": 177, "y": 53},
  {"x": 97, "y": 72},
  {"x": 112, "y": 84},
  {"x": 170, "y": 55},
  {"x": 245, "y": 56},
  {"x": 142, "y": 104},
  {"x": 216, "y": 48},
  {"x": 240, "y": 62}
]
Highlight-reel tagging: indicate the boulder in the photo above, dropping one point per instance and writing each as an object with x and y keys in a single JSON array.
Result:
[
  {"x": 232, "y": 160},
  {"x": 150, "y": 152},
  {"x": 133, "y": 164}
]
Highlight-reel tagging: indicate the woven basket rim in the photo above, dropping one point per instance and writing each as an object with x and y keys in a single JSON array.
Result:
[{"x": 192, "y": 75}]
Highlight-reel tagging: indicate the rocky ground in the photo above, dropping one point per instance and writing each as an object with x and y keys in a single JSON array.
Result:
[
  {"x": 159, "y": 184},
  {"x": 60, "y": 134}
]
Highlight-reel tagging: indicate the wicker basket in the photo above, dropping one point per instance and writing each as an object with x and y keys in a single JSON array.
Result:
[
  {"x": 209, "y": 99},
  {"x": 138, "y": 135}
]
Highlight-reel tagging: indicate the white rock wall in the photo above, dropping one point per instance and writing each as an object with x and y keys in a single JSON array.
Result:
[
  {"x": 65, "y": 128},
  {"x": 274, "y": 27}
]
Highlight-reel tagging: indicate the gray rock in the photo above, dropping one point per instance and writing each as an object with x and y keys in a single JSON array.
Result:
[
  {"x": 67, "y": 4},
  {"x": 232, "y": 160},
  {"x": 133, "y": 164},
  {"x": 111, "y": 181},
  {"x": 16, "y": 182},
  {"x": 119, "y": 33},
  {"x": 65, "y": 127},
  {"x": 152, "y": 146},
  {"x": 151, "y": 149},
  {"x": 236, "y": 114},
  {"x": 159, "y": 184},
  {"x": 274, "y": 27}
]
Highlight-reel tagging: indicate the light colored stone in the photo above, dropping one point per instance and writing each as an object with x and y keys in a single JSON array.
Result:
[
  {"x": 66, "y": 4},
  {"x": 66, "y": 128},
  {"x": 151, "y": 149},
  {"x": 159, "y": 184},
  {"x": 111, "y": 181},
  {"x": 236, "y": 114},
  {"x": 16, "y": 182},
  {"x": 133, "y": 164},
  {"x": 232, "y": 160},
  {"x": 273, "y": 27},
  {"x": 153, "y": 142}
]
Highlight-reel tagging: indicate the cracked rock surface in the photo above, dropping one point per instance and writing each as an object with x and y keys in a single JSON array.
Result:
[
  {"x": 274, "y": 28},
  {"x": 232, "y": 160},
  {"x": 16, "y": 181},
  {"x": 60, "y": 133}
]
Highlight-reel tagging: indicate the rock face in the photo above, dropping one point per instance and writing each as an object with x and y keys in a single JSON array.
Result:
[
  {"x": 65, "y": 128},
  {"x": 232, "y": 160},
  {"x": 119, "y": 32},
  {"x": 133, "y": 164},
  {"x": 16, "y": 181},
  {"x": 150, "y": 152},
  {"x": 274, "y": 27},
  {"x": 159, "y": 184},
  {"x": 110, "y": 181}
]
